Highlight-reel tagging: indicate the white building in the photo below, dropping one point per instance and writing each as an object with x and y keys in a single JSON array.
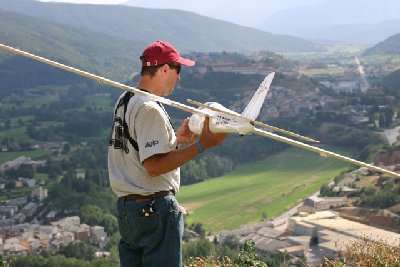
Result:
[
  {"x": 39, "y": 193},
  {"x": 314, "y": 203}
]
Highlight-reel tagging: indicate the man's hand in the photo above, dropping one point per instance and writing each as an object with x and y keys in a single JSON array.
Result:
[
  {"x": 184, "y": 135},
  {"x": 209, "y": 139},
  {"x": 163, "y": 163}
]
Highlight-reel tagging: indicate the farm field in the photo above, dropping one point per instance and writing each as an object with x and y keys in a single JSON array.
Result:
[{"x": 272, "y": 186}]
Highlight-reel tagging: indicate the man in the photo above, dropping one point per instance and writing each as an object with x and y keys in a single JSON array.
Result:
[{"x": 144, "y": 161}]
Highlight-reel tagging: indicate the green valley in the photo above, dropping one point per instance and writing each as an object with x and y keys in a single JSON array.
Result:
[{"x": 272, "y": 185}]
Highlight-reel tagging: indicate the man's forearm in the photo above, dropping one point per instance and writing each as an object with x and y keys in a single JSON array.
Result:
[{"x": 163, "y": 163}]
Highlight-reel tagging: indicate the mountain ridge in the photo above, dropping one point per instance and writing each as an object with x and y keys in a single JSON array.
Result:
[
  {"x": 317, "y": 21},
  {"x": 390, "y": 46},
  {"x": 188, "y": 31}
]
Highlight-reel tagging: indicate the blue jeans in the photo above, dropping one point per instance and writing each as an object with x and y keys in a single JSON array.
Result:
[{"x": 152, "y": 241}]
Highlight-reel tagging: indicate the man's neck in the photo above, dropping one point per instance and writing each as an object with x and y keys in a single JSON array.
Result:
[{"x": 148, "y": 85}]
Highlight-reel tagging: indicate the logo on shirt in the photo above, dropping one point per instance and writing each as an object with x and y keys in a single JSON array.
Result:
[{"x": 151, "y": 143}]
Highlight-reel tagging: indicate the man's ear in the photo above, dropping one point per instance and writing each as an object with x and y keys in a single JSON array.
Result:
[{"x": 165, "y": 68}]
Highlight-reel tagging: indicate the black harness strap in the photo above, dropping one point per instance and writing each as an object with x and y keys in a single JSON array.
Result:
[{"x": 124, "y": 101}]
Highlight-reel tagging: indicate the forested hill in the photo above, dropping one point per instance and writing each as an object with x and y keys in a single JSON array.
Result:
[
  {"x": 104, "y": 55},
  {"x": 188, "y": 31},
  {"x": 391, "y": 84},
  {"x": 390, "y": 46}
]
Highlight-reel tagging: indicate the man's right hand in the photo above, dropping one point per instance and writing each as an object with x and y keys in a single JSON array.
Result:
[{"x": 209, "y": 139}]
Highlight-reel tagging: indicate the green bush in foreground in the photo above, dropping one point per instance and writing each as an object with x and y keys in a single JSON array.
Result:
[
  {"x": 247, "y": 257},
  {"x": 367, "y": 253},
  {"x": 363, "y": 253}
]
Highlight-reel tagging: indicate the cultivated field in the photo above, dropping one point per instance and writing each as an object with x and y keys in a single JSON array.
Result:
[{"x": 272, "y": 186}]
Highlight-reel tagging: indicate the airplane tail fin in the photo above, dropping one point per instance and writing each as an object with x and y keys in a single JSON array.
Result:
[{"x": 253, "y": 108}]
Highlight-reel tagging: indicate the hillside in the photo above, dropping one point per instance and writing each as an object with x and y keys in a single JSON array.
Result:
[
  {"x": 360, "y": 33},
  {"x": 104, "y": 55},
  {"x": 188, "y": 31},
  {"x": 390, "y": 46},
  {"x": 273, "y": 185},
  {"x": 391, "y": 84}
]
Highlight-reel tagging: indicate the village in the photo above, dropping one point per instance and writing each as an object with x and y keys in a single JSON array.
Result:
[
  {"x": 27, "y": 227},
  {"x": 321, "y": 227}
]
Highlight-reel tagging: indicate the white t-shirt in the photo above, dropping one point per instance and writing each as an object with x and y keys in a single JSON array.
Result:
[{"x": 150, "y": 127}]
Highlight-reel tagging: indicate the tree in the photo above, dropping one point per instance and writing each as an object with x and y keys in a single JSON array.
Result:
[
  {"x": 94, "y": 215},
  {"x": 325, "y": 191},
  {"x": 247, "y": 256},
  {"x": 90, "y": 214},
  {"x": 198, "y": 248},
  {"x": 79, "y": 250},
  {"x": 110, "y": 223}
]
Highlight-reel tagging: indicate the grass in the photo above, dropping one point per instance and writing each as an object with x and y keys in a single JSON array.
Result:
[
  {"x": 41, "y": 176},
  {"x": 104, "y": 102},
  {"x": 18, "y": 192},
  {"x": 327, "y": 71},
  {"x": 16, "y": 122},
  {"x": 368, "y": 181},
  {"x": 18, "y": 133},
  {"x": 393, "y": 60},
  {"x": 272, "y": 186}
]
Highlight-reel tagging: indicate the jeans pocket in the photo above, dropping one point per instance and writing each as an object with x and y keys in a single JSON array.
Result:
[
  {"x": 174, "y": 206},
  {"x": 141, "y": 231}
]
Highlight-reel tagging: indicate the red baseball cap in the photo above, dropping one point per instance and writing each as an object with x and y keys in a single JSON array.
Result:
[{"x": 160, "y": 52}]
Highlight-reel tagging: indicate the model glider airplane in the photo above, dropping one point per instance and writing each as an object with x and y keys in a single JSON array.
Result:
[
  {"x": 224, "y": 120},
  {"x": 221, "y": 118}
]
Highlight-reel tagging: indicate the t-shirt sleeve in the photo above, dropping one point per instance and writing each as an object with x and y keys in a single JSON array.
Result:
[{"x": 152, "y": 133}]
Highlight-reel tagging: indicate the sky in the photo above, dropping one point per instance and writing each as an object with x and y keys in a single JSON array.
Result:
[{"x": 98, "y": 2}]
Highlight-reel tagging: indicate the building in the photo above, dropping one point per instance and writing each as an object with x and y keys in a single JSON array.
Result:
[
  {"x": 39, "y": 193},
  {"x": 333, "y": 233},
  {"x": 27, "y": 181},
  {"x": 14, "y": 164},
  {"x": 314, "y": 203},
  {"x": 29, "y": 209},
  {"x": 267, "y": 240},
  {"x": 23, "y": 239},
  {"x": 8, "y": 211}
]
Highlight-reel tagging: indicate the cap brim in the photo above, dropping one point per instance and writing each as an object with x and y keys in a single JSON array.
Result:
[{"x": 186, "y": 62}]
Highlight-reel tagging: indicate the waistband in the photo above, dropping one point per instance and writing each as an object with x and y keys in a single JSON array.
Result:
[{"x": 141, "y": 198}]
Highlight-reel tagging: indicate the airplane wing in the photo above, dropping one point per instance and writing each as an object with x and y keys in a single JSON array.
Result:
[{"x": 190, "y": 109}]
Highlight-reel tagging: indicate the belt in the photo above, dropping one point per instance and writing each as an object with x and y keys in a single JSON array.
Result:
[{"x": 141, "y": 198}]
